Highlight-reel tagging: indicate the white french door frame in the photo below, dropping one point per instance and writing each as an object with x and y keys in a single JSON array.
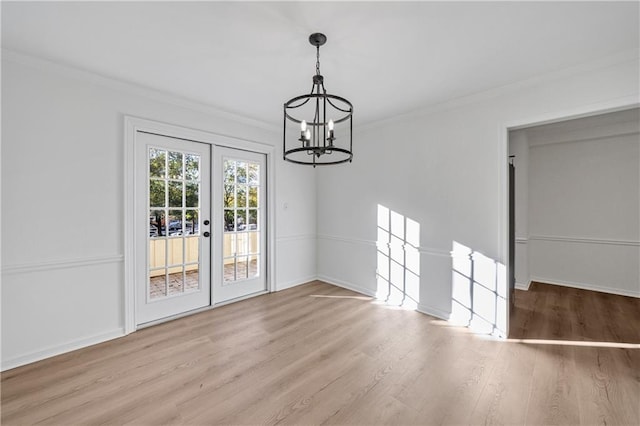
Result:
[{"x": 132, "y": 125}]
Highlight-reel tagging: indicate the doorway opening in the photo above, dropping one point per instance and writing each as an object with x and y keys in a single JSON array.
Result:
[{"x": 576, "y": 210}]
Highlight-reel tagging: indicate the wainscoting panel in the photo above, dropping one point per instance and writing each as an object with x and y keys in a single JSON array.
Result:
[
  {"x": 69, "y": 304},
  {"x": 593, "y": 264},
  {"x": 348, "y": 262},
  {"x": 352, "y": 263},
  {"x": 435, "y": 289},
  {"x": 295, "y": 261}
]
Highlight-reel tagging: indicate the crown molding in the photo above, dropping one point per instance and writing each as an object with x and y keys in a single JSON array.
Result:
[
  {"x": 619, "y": 58},
  {"x": 91, "y": 77}
]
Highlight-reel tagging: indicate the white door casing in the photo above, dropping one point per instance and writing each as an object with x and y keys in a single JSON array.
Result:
[{"x": 133, "y": 256}]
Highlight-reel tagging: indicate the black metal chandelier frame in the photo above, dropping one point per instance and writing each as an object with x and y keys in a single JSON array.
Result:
[{"x": 319, "y": 140}]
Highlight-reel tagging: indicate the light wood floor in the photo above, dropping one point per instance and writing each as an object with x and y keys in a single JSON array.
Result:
[
  {"x": 320, "y": 354},
  {"x": 561, "y": 313}
]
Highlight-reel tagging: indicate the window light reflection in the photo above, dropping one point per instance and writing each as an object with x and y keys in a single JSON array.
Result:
[
  {"x": 398, "y": 259},
  {"x": 478, "y": 291}
]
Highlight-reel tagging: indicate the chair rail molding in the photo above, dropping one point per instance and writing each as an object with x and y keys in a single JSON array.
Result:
[
  {"x": 581, "y": 240},
  {"x": 421, "y": 249},
  {"x": 298, "y": 237},
  {"x": 52, "y": 264}
]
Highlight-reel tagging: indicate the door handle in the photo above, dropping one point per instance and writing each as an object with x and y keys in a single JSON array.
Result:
[
  {"x": 206, "y": 234},
  {"x": 206, "y": 222}
]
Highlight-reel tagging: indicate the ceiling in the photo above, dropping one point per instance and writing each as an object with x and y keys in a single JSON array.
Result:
[{"x": 387, "y": 58}]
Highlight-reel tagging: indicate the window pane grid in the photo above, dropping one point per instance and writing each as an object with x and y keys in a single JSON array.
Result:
[
  {"x": 174, "y": 206},
  {"x": 241, "y": 212}
]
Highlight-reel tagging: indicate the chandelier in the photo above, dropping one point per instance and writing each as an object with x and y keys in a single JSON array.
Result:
[{"x": 319, "y": 125}]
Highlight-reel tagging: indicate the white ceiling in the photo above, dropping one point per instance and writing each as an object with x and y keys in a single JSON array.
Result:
[{"x": 387, "y": 58}]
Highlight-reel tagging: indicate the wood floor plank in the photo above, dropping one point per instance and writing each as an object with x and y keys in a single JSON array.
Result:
[
  {"x": 608, "y": 378},
  {"x": 554, "y": 398},
  {"x": 563, "y": 313},
  {"x": 252, "y": 387},
  {"x": 319, "y": 354},
  {"x": 377, "y": 407},
  {"x": 508, "y": 388}
]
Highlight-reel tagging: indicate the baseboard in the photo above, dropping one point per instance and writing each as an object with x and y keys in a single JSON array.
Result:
[
  {"x": 51, "y": 351},
  {"x": 434, "y": 312},
  {"x": 349, "y": 286},
  {"x": 582, "y": 286},
  {"x": 294, "y": 283},
  {"x": 423, "y": 309},
  {"x": 521, "y": 286}
]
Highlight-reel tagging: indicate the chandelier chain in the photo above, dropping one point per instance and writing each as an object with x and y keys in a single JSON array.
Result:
[{"x": 317, "y": 60}]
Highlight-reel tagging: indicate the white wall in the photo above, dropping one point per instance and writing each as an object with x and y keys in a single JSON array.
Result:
[
  {"x": 62, "y": 202},
  {"x": 584, "y": 203},
  {"x": 446, "y": 169}
]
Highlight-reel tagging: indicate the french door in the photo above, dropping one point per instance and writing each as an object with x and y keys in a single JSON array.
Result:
[
  {"x": 200, "y": 230},
  {"x": 174, "y": 215}
]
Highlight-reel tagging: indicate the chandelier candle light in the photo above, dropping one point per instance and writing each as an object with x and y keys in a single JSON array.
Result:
[{"x": 319, "y": 117}]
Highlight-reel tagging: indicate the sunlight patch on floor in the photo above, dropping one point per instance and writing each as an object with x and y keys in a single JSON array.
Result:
[
  {"x": 575, "y": 343},
  {"x": 325, "y": 296}
]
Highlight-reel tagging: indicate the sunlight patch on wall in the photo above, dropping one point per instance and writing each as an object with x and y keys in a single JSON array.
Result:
[
  {"x": 398, "y": 259},
  {"x": 478, "y": 291}
]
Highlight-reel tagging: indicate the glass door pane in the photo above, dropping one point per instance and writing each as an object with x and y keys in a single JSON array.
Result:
[
  {"x": 174, "y": 229},
  {"x": 241, "y": 229},
  {"x": 241, "y": 206}
]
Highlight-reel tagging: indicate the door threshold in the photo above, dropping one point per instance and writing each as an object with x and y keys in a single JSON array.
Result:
[
  {"x": 238, "y": 299},
  {"x": 199, "y": 310}
]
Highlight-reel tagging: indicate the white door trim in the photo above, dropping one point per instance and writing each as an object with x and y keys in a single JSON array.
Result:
[{"x": 135, "y": 124}]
